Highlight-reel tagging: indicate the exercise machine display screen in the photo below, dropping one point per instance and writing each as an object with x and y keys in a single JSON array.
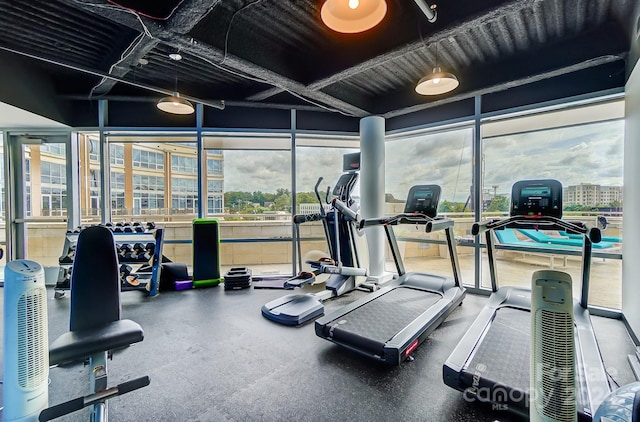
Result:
[
  {"x": 536, "y": 198},
  {"x": 351, "y": 161},
  {"x": 423, "y": 199},
  {"x": 345, "y": 185}
]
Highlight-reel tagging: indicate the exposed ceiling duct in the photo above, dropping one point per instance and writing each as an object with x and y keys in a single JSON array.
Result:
[{"x": 429, "y": 11}]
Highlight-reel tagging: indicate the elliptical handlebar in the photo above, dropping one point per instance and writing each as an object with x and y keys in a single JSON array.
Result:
[
  {"x": 307, "y": 218},
  {"x": 344, "y": 209},
  {"x": 315, "y": 189}
]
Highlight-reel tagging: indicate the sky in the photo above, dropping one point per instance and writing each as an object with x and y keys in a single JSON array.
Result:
[
  {"x": 581, "y": 154},
  {"x": 266, "y": 171}
]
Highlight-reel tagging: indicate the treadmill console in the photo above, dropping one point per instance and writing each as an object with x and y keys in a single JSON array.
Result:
[
  {"x": 423, "y": 199},
  {"x": 537, "y": 198}
]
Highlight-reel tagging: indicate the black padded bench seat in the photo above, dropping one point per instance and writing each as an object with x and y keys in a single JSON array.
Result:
[{"x": 80, "y": 344}]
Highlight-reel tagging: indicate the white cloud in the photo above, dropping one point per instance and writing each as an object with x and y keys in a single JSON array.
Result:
[{"x": 580, "y": 154}]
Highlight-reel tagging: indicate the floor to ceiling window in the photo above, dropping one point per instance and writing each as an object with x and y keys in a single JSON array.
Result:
[
  {"x": 247, "y": 185},
  {"x": 90, "y": 177},
  {"x": 443, "y": 157},
  {"x": 249, "y": 191},
  {"x": 321, "y": 156},
  {"x": 3, "y": 206},
  {"x": 580, "y": 146}
]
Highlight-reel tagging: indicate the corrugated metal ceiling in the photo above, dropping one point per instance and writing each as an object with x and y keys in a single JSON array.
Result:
[{"x": 278, "y": 53}]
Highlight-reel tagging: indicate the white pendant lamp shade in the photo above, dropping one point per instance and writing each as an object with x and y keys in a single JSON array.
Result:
[
  {"x": 352, "y": 16},
  {"x": 175, "y": 105},
  {"x": 436, "y": 83}
]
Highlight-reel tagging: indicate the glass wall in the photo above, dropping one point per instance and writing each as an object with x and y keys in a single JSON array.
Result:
[
  {"x": 249, "y": 190},
  {"x": 50, "y": 162},
  {"x": 3, "y": 207},
  {"x": 319, "y": 156},
  {"x": 587, "y": 159},
  {"x": 43, "y": 199},
  {"x": 442, "y": 157},
  {"x": 247, "y": 180},
  {"x": 90, "y": 178}
]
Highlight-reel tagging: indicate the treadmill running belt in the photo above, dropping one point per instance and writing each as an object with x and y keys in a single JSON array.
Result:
[
  {"x": 503, "y": 354},
  {"x": 371, "y": 326}
]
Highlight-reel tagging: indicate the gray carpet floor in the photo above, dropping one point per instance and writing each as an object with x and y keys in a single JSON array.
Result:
[{"x": 212, "y": 356}]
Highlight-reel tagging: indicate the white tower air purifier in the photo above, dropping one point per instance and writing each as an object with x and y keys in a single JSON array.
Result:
[
  {"x": 25, "y": 364},
  {"x": 552, "y": 396}
]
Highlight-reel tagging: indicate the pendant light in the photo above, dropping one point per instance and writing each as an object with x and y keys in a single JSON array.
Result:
[
  {"x": 174, "y": 104},
  {"x": 437, "y": 82},
  {"x": 353, "y": 16}
]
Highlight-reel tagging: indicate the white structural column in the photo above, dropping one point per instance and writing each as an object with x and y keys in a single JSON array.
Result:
[
  {"x": 631, "y": 195},
  {"x": 372, "y": 190}
]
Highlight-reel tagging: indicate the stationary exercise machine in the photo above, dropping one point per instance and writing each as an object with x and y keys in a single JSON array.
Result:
[
  {"x": 342, "y": 265},
  {"x": 491, "y": 361},
  {"x": 95, "y": 329},
  {"x": 389, "y": 324}
]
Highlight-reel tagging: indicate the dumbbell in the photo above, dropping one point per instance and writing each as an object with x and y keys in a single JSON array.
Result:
[
  {"x": 68, "y": 258},
  {"x": 150, "y": 248},
  {"x": 125, "y": 251},
  {"x": 137, "y": 249},
  {"x": 125, "y": 270},
  {"x": 118, "y": 228},
  {"x": 120, "y": 252},
  {"x": 151, "y": 225},
  {"x": 65, "y": 282},
  {"x": 128, "y": 228},
  {"x": 140, "y": 253}
]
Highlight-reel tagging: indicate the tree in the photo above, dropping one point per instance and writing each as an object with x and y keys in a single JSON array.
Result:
[
  {"x": 448, "y": 206},
  {"x": 577, "y": 208},
  {"x": 282, "y": 191},
  {"x": 236, "y": 200},
  {"x": 258, "y": 197},
  {"x": 282, "y": 201},
  {"x": 306, "y": 198},
  {"x": 498, "y": 203}
]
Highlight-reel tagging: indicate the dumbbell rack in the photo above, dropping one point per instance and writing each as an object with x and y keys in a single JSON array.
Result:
[{"x": 146, "y": 281}]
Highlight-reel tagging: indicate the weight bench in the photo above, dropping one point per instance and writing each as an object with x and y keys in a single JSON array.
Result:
[{"x": 95, "y": 328}]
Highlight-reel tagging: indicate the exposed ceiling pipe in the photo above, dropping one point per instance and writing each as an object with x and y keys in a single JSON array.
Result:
[
  {"x": 218, "y": 105},
  {"x": 429, "y": 11}
]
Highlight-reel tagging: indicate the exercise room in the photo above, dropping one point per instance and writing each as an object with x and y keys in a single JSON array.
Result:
[{"x": 319, "y": 210}]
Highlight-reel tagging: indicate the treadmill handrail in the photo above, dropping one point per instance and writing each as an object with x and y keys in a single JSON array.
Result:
[
  {"x": 591, "y": 235},
  {"x": 544, "y": 222},
  {"x": 438, "y": 224},
  {"x": 433, "y": 224}
]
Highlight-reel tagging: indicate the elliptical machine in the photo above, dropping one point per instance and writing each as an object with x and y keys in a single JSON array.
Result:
[{"x": 343, "y": 264}]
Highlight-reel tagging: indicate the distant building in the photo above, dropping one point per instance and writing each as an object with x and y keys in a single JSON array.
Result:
[
  {"x": 144, "y": 179},
  {"x": 311, "y": 208},
  {"x": 588, "y": 194}
]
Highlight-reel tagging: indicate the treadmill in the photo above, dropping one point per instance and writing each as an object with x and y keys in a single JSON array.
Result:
[
  {"x": 389, "y": 324},
  {"x": 491, "y": 362}
]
